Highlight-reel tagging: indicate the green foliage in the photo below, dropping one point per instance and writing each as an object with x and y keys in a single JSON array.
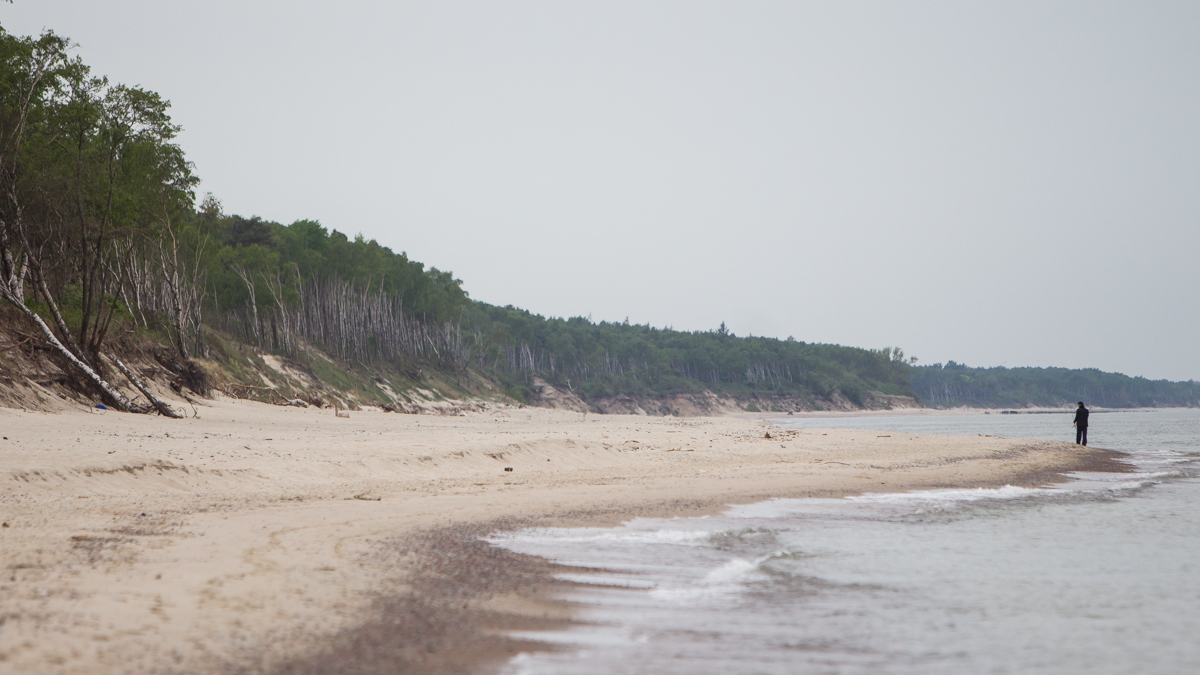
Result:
[
  {"x": 97, "y": 173},
  {"x": 853, "y": 391},
  {"x": 89, "y": 173},
  {"x": 605, "y": 359},
  {"x": 957, "y": 385},
  {"x": 98, "y": 221},
  {"x": 515, "y": 393},
  {"x": 278, "y": 258},
  {"x": 331, "y": 374}
]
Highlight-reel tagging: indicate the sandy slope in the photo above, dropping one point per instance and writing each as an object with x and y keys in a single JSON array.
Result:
[{"x": 140, "y": 544}]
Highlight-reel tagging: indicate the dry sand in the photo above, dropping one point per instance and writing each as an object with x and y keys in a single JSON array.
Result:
[{"x": 268, "y": 539}]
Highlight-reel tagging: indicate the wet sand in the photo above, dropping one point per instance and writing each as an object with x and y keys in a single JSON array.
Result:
[{"x": 264, "y": 539}]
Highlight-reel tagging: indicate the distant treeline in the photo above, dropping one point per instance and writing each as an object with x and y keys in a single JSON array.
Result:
[
  {"x": 602, "y": 359},
  {"x": 957, "y": 385},
  {"x": 269, "y": 283}
]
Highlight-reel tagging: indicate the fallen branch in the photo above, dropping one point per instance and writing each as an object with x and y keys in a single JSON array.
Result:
[
  {"x": 159, "y": 405},
  {"x": 117, "y": 399},
  {"x": 28, "y": 338}
]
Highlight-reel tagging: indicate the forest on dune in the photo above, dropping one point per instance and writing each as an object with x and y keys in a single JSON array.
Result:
[{"x": 102, "y": 233}]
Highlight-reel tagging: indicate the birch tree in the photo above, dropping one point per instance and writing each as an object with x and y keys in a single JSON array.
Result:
[{"x": 85, "y": 167}]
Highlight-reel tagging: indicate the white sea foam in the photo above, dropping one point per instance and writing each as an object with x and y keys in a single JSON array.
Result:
[
  {"x": 606, "y": 580},
  {"x": 946, "y": 496},
  {"x": 869, "y": 590},
  {"x": 734, "y": 571},
  {"x": 600, "y": 535},
  {"x": 1113, "y": 482},
  {"x": 784, "y": 508},
  {"x": 727, "y": 579},
  {"x": 778, "y": 508},
  {"x": 1134, "y": 484}
]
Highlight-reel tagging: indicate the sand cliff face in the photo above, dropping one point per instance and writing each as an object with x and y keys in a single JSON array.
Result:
[
  {"x": 31, "y": 378},
  {"x": 252, "y": 535}
]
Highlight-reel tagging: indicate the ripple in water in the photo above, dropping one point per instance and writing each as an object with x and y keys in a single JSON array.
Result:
[{"x": 1098, "y": 576}]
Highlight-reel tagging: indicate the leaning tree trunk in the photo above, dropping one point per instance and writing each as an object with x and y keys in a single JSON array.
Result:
[
  {"x": 12, "y": 289},
  {"x": 159, "y": 405},
  {"x": 118, "y": 400},
  {"x": 58, "y": 319}
]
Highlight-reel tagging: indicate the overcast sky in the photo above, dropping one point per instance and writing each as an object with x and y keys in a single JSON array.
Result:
[{"x": 1005, "y": 183}]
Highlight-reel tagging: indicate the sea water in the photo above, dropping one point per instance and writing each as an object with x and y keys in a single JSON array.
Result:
[{"x": 1100, "y": 575}]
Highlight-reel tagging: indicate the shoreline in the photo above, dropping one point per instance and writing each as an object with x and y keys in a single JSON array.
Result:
[
  {"x": 940, "y": 412},
  {"x": 529, "y": 586},
  {"x": 267, "y": 539}
]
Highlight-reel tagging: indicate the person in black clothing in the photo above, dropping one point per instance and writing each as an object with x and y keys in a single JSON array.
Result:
[{"x": 1081, "y": 415}]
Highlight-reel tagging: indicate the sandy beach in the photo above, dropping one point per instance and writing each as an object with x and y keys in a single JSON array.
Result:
[{"x": 266, "y": 539}]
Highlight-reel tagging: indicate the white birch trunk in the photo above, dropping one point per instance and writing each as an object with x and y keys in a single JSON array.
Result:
[{"x": 159, "y": 405}]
